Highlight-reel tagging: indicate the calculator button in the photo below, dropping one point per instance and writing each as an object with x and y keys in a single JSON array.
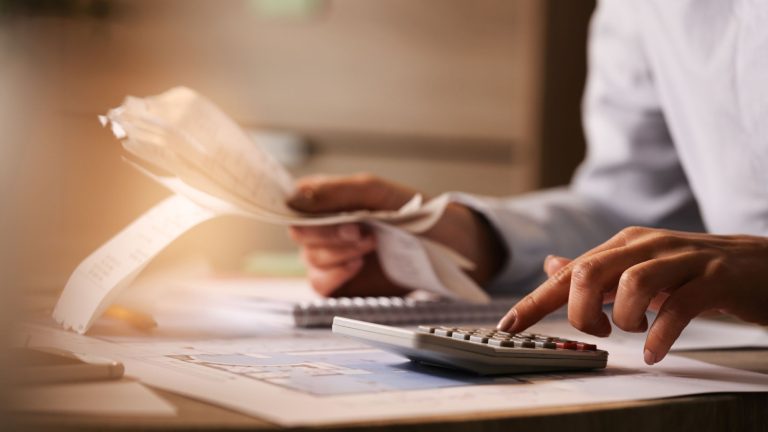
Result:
[
  {"x": 524, "y": 343},
  {"x": 478, "y": 339},
  {"x": 507, "y": 340},
  {"x": 460, "y": 335},
  {"x": 581, "y": 346},
  {"x": 566, "y": 345},
  {"x": 426, "y": 329},
  {"x": 501, "y": 343}
]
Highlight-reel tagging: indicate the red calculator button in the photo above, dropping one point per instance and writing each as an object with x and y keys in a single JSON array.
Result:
[{"x": 581, "y": 346}]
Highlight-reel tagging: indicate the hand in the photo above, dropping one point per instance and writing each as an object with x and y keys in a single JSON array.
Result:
[
  {"x": 341, "y": 259},
  {"x": 679, "y": 274}
]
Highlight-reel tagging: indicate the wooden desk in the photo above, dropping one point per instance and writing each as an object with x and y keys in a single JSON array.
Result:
[{"x": 721, "y": 412}]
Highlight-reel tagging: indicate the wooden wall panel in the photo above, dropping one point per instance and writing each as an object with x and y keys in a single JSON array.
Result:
[{"x": 400, "y": 71}]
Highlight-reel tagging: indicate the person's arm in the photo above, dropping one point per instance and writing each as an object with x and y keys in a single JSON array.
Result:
[{"x": 631, "y": 175}]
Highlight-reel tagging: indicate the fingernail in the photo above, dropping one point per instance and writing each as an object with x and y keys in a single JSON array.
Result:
[
  {"x": 553, "y": 263},
  {"x": 548, "y": 264},
  {"x": 649, "y": 357},
  {"x": 507, "y": 321}
]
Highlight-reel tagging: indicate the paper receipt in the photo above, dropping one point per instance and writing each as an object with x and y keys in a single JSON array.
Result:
[{"x": 216, "y": 169}]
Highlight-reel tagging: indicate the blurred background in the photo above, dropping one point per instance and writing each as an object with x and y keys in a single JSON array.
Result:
[{"x": 479, "y": 96}]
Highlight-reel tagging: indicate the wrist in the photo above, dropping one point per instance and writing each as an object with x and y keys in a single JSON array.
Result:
[
  {"x": 492, "y": 252},
  {"x": 472, "y": 235}
]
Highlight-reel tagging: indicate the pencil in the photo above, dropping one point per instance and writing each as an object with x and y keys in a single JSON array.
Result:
[{"x": 138, "y": 320}]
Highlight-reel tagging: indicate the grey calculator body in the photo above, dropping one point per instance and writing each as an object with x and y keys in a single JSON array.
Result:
[{"x": 480, "y": 358}]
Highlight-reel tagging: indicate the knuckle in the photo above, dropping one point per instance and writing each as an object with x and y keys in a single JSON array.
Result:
[
  {"x": 634, "y": 279},
  {"x": 584, "y": 272},
  {"x": 718, "y": 268},
  {"x": 678, "y": 311},
  {"x": 562, "y": 276},
  {"x": 668, "y": 241},
  {"x": 633, "y": 232}
]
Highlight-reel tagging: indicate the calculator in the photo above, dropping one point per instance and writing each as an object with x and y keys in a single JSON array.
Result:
[{"x": 481, "y": 351}]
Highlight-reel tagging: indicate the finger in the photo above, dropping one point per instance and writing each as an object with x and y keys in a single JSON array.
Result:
[
  {"x": 658, "y": 301},
  {"x": 326, "y": 281},
  {"x": 554, "y": 263},
  {"x": 327, "y": 257},
  {"x": 675, "y": 314},
  {"x": 333, "y": 235},
  {"x": 596, "y": 276},
  {"x": 592, "y": 278},
  {"x": 643, "y": 282},
  {"x": 552, "y": 294},
  {"x": 545, "y": 299},
  {"x": 323, "y": 194}
]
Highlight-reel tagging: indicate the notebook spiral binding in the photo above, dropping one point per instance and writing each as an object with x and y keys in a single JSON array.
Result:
[{"x": 398, "y": 310}]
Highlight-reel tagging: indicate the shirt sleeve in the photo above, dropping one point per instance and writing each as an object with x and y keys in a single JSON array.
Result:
[{"x": 631, "y": 175}]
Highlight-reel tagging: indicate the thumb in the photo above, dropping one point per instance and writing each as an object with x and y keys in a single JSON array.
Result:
[
  {"x": 553, "y": 264},
  {"x": 325, "y": 194}
]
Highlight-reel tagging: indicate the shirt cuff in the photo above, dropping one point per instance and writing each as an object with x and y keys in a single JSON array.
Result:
[{"x": 525, "y": 241}]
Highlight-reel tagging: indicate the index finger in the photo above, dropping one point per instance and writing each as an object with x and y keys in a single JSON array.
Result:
[
  {"x": 545, "y": 299},
  {"x": 550, "y": 295}
]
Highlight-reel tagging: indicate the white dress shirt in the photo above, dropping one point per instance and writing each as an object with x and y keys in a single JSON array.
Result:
[{"x": 676, "y": 118}]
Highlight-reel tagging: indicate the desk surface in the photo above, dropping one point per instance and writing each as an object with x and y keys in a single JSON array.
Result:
[{"x": 731, "y": 411}]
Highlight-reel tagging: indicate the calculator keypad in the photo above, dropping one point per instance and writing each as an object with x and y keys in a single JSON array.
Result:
[{"x": 498, "y": 338}]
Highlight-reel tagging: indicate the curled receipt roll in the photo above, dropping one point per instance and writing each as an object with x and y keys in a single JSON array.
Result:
[{"x": 217, "y": 169}]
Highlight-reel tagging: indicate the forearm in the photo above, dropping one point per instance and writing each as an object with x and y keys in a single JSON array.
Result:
[{"x": 530, "y": 227}]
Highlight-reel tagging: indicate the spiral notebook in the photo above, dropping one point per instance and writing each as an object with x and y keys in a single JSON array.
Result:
[
  {"x": 385, "y": 310},
  {"x": 293, "y": 302}
]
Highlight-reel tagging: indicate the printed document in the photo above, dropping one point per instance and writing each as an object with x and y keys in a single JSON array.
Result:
[{"x": 271, "y": 371}]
